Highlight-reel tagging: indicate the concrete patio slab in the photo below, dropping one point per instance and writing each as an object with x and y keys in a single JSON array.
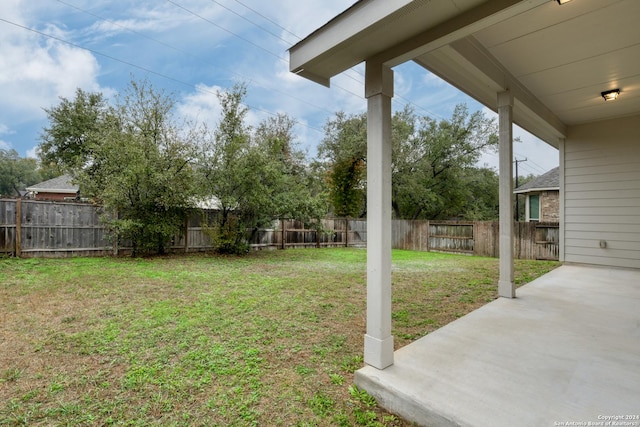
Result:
[{"x": 565, "y": 352}]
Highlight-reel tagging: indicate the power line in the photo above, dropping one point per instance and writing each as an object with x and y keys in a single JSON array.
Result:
[
  {"x": 251, "y": 22},
  {"x": 226, "y": 30},
  {"x": 167, "y": 45},
  {"x": 252, "y": 43},
  {"x": 397, "y": 99},
  {"x": 347, "y": 74},
  {"x": 268, "y": 19},
  {"x": 147, "y": 70}
]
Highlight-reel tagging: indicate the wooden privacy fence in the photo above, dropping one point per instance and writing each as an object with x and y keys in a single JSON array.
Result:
[
  {"x": 32, "y": 228},
  {"x": 532, "y": 240},
  {"x": 40, "y": 228}
]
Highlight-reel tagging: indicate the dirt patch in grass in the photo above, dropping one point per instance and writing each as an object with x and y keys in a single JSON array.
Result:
[{"x": 268, "y": 339}]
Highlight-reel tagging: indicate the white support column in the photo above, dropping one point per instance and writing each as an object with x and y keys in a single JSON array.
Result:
[
  {"x": 506, "y": 285},
  {"x": 378, "y": 342},
  {"x": 561, "y": 146}
]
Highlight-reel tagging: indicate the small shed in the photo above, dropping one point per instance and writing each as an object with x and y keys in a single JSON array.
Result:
[
  {"x": 542, "y": 194},
  {"x": 58, "y": 189}
]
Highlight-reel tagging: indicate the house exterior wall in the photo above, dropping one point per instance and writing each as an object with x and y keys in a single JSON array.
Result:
[
  {"x": 550, "y": 206},
  {"x": 601, "y": 199}
]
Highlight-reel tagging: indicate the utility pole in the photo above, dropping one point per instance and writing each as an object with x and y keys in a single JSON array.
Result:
[{"x": 517, "y": 216}]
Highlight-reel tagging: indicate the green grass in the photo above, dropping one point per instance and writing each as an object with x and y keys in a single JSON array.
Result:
[{"x": 268, "y": 339}]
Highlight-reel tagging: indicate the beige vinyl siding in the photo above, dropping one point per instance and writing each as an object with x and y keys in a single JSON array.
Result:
[{"x": 602, "y": 193}]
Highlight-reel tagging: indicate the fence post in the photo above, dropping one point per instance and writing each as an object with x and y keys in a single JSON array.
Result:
[
  {"x": 116, "y": 236},
  {"x": 284, "y": 233},
  {"x": 428, "y": 236},
  {"x": 346, "y": 232},
  {"x": 18, "y": 249},
  {"x": 186, "y": 234}
]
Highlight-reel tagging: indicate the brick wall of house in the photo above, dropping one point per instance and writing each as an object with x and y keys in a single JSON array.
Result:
[{"x": 550, "y": 206}]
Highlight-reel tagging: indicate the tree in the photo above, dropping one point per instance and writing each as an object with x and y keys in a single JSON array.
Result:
[
  {"x": 429, "y": 175},
  {"x": 16, "y": 173},
  {"x": 255, "y": 177},
  {"x": 429, "y": 161},
  {"x": 481, "y": 193},
  {"x": 292, "y": 186},
  {"x": 344, "y": 150},
  {"x": 74, "y": 131},
  {"x": 131, "y": 158}
]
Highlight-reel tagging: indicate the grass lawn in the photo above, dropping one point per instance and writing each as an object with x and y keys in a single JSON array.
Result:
[{"x": 268, "y": 339}]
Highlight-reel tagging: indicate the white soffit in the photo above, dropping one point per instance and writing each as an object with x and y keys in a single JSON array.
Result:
[
  {"x": 556, "y": 59},
  {"x": 566, "y": 55}
]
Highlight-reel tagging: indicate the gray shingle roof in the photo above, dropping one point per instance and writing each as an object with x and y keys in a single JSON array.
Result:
[
  {"x": 547, "y": 181},
  {"x": 61, "y": 184}
]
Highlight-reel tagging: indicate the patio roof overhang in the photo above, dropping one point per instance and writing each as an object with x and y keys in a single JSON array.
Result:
[
  {"x": 554, "y": 59},
  {"x": 538, "y": 64}
]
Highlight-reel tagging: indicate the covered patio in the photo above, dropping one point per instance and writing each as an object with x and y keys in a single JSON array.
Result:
[
  {"x": 566, "y": 350},
  {"x": 562, "y": 349}
]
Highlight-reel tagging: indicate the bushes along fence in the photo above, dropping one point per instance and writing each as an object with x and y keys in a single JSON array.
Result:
[{"x": 30, "y": 228}]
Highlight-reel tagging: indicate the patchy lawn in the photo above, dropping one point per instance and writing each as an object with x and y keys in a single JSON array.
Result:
[{"x": 269, "y": 339}]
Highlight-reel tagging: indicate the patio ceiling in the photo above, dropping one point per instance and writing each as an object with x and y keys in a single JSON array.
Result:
[{"x": 555, "y": 59}]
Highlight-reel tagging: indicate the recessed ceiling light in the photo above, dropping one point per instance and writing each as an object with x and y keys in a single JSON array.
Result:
[
  {"x": 610, "y": 95},
  {"x": 563, "y": 1}
]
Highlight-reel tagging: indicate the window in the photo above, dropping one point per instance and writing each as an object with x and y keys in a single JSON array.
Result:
[{"x": 534, "y": 207}]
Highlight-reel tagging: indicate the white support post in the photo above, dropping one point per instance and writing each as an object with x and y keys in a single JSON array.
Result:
[
  {"x": 378, "y": 341},
  {"x": 506, "y": 285},
  {"x": 562, "y": 200}
]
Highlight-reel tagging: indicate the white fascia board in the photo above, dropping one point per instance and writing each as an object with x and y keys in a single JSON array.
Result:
[
  {"x": 351, "y": 23},
  {"x": 536, "y": 190},
  {"x": 52, "y": 190}
]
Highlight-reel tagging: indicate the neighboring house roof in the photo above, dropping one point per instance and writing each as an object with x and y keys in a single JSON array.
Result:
[
  {"x": 211, "y": 203},
  {"x": 547, "y": 181},
  {"x": 61, "y": 184}
]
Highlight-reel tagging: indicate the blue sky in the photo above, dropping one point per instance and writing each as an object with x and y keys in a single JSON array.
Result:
[{"x": 191, "y": 49}]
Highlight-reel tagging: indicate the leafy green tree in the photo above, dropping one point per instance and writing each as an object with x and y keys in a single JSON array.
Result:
[
  {"x": 131, "y": 158},
  {"x": 429, "y": 178},
  {"x": 430, "y": 160},
  {"x": 16, "y": 173},
  {"x": 255, "y": 177},
  {"x": 74, "y": 130},
  {"x": 292, "y": 187},
  {"x": 344, "y": 151},
  {"x": 481, "y": 193},
  {"x": 347, "y": 188}
]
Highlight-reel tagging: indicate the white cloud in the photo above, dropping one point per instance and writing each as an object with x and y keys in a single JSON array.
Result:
[
  {"x": 151, "y": 18},
  {"x": 299, "y": 20},
  {"x": 201, "y": 106},
  {"x": 35, "y": 70},
  {"x": 32, "y": 153},
  {"x": 5, "y": 130}
]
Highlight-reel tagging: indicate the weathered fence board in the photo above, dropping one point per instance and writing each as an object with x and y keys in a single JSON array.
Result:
[
  {"x": 410, "y": 235},
  {"x": 547, "y": 241},
  {"x": 486, "y": 238},
  {"x": 8, "y": 226},
  {"x": 65, "y": 229},
  {"x": 451, "y": 237}
]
